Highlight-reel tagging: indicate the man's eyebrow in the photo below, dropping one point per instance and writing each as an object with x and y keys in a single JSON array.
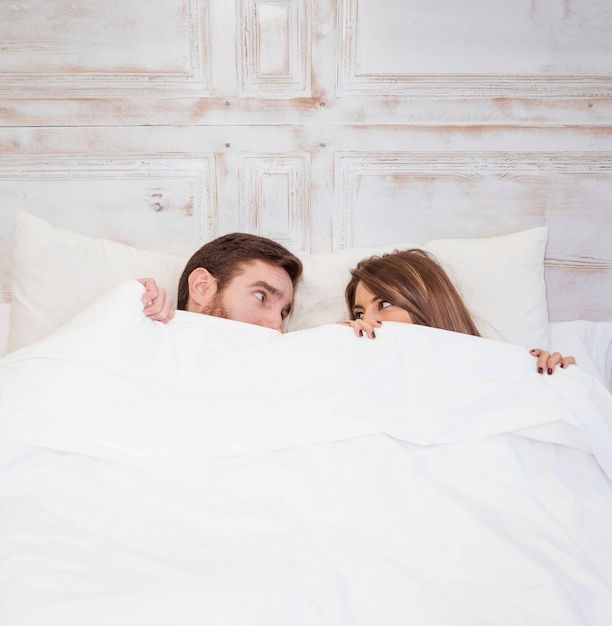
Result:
[{"x": 262, "y": 284}]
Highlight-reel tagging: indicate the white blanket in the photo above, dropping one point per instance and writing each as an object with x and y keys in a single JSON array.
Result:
[{"x": 208, "y": 471}]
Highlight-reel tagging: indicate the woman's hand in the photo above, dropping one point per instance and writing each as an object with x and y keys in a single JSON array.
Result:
[
  {"x": 361, "y": 327},
  {"x": 158, "y": 304},
  {"x": 547, "y": 361}
]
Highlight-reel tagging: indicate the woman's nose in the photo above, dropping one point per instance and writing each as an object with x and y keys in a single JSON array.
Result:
[{"x": 370, "y": 317}]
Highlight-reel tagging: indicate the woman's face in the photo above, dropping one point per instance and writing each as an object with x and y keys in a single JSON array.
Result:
[{"x": 371, "y": 308}]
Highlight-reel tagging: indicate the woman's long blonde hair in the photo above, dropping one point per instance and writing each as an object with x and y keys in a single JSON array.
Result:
[{"x": 414, "y": 281}]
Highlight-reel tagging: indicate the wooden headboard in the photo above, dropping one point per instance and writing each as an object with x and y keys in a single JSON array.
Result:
[{"x": 322, "y": 124}]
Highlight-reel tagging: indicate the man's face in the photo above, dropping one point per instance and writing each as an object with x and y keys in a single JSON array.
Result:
[{"x": 261, "y": 294}]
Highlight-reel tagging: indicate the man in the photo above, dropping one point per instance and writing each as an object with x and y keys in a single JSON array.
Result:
[{"x": 238, "y": 276}]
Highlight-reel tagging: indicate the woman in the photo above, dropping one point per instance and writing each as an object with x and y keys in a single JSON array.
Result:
[{"x": 410, "y": 286}]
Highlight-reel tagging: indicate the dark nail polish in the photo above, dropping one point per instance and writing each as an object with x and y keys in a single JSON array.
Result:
[
  {"x": 373, "y": 335},
  {"x": 549, "y": 371},
  {"x": 540, "y": 370},
  {"x": 562, "y": 366},
  {"x": 361, "y": 333}
]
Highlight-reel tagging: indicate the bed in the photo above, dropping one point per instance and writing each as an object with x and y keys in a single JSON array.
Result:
[
  {"x": 208, "y": 471},
  {"x": 204, "y": 472}
]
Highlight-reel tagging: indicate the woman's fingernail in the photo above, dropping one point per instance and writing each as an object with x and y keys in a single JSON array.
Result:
[
  {"x": 562, "y": 366},
  {"x": 549, "y": 371},
  {"x": 373, "y": 335},
  {"x": 540, "y": 370},
  {"x": 361, "y": 333}
]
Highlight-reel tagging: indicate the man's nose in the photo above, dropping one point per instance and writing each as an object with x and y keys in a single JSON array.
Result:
[{"x": 275, "y": 322}]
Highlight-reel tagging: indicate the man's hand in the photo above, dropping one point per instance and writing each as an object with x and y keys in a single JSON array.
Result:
[{"x": 158, "y": 304}]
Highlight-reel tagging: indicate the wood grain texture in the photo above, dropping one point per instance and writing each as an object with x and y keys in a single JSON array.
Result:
[{"x": 321, "y": 124}]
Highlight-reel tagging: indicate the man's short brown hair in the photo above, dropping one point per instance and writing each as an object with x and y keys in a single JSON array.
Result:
[{"x": 225, "y": 256}]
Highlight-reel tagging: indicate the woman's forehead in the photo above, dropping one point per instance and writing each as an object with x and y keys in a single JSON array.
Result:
[{"x": 363, "y": 295}]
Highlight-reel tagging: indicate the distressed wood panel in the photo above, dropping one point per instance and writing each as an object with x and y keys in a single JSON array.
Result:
[
  {"x": 192, "y": 62},
  {"x": 80, "y": 48},
  {"x": 276, "y": 57},
  {"x": 487, "y": 48},
  {"x": 317, "y": 188},
  {"x": 318, "y": 123},
  {"x": 274, "y": 197},
  {"x": 395, "y": 197},
  {"x": 160, "y": 204}
]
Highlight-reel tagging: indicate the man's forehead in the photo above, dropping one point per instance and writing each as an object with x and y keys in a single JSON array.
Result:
[{"x": 259, "y": 273}]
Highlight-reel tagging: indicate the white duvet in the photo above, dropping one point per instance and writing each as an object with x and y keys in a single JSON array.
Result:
[{"x": 212, "y": 472}]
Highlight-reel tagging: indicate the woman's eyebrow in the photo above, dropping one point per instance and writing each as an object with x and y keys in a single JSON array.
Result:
[{"x": 373, "y": 300}]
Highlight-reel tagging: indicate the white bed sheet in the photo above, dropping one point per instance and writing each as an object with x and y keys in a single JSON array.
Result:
[
  {"x": 5, "y": 310},
  {"x": 385, "y": 484},
  {"x": 589, "y": 342},
  {"x": 365, "y": 531}
]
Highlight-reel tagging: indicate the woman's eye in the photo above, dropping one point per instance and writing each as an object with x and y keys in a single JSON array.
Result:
[
  {"x": 260, "y": 295},
  {"x": 358, "y": 315},
  {"x": 383, "y": 304}
]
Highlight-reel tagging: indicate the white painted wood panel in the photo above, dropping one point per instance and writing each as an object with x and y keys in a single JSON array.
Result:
[
  {"x": 160, "y": 204},
  {"x": 319, "y": 123},
  {"x": 276, "y": 48},
  {"x": 92, "y": 47},
  {"x": 477, "y": 38}
]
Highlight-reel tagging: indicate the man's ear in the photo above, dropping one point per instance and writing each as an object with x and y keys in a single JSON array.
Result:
[{"x": 202, "y": 288}]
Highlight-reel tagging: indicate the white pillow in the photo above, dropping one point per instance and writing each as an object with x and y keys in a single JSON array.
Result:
[
  {"x": 55, "y": 273},
  {"x": 500, "y": 278}
]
